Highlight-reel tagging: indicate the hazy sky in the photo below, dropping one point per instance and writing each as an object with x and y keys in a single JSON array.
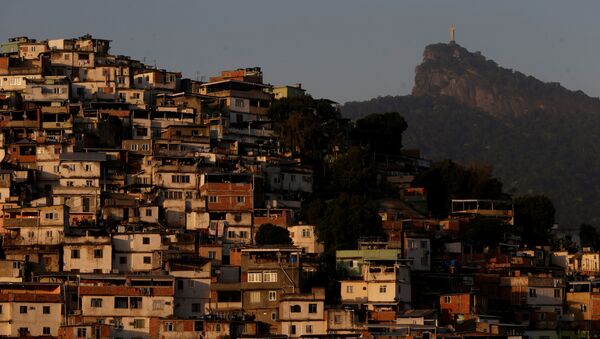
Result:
[{"x": 340, "y": 49}]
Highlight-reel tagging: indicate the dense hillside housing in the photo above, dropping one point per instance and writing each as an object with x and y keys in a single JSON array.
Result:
[{"x": 130, "y": 200}]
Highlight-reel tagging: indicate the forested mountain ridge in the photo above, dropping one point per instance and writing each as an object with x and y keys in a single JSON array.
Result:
[{"x": 539, "y": 137}]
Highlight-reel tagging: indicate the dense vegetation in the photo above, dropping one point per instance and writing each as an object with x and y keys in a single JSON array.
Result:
[
  {"x": 269, "y": 234},
  {"x": 539, "y": 137},
  {"x": 531, "y": 154}
]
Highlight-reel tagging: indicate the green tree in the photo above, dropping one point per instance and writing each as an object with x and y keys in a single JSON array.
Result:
[
  {"x": 380, "y": 132},
  {"x": 589, "y": 235},
  {"x": 484, "y": 231},
  {"x": 269, "y": 234},
  {"x": 447, "y": 180},
  {"x": 352, "y": 172},
  {"x": 534, "y": 215},
  {"x": 347, "y": 218},
  {"x": 309, "y": 127}
]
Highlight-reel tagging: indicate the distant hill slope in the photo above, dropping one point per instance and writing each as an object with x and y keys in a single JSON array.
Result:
[{"x": 539, "y": 137}]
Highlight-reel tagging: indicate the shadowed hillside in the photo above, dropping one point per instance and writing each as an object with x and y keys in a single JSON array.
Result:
[{"x": 539, "y": 137}]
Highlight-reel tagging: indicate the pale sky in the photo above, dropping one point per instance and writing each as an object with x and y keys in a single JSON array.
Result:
[{"x": 340, "y": 49}]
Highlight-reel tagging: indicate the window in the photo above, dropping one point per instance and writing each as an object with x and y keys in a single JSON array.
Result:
[
  {"x": 213, "y": 198},
  {"x": 212, "y": 255},
  {"x": 96, "y": 303},
  {"x": 270, "y": 277},
  {"x": 305, "y": 233},
  {"x": 50, "y": 215},
  {"x": 145, "y": 147},
  {"x": 255, "y": 297},
  {"x": 231, "y": 234},
  {"x": 139, "y": 323},
  {"x": 122, "y": 260},
  {"x": 168, "y": 327},
  {"x": 141, "y": 131},
  {"x": 87, "y": 167},
  {"x": 583, "y": 307},
  {"x": 158, "y": 305},
  {"x": 49, "y": 234},
  {"x": 74, "y": 254},
  {"x": 295, "y": 309},
  {"x": 86, "y": 202},
  {"x": 411, "y": 244},
  {"x": 337, "y": 319},
  {"x": 532, "y": 292},
  {"x": 146, "y": 240},
  {"x": 196, "y": 308},
  {"x": 241, "y": 200},
  {"x": 98, "y": 253},
  {"x": 312, "y": 308},
  {"x": 46, "y": 310},
  {"x": 148, "y": 212},
  {"x": 183, "y": 179},
  {"x": 272, "y": 295},
  {"x": 243, "y": 234},
  {"x": 135, "y": 302},
  {"x": 254, "y": 277},
  {"x": 69, "y": 183},
  {"x": 179, "y": 284},
  {"x": 89, "y": 183},
  {"x": 0, "y": 309},
  {"x": 274, "y": 316},
  {"x": 447, "y": 299},
  {"x": 198, "y": 326},
  {"x": 382, "y": 288},
  {"x": 293, "y": 329},
  {"x": 308, "y": 328},
  {"x": 424, "y": 244},
  {"x": 557, "y": 292},
  {"x": 147, "y": 260},
  {"x": 121, "y": 302},
  {"x": 46, "y": 330},
  {"x": 239, "y": 103},
  {"x": 349, "y": 289}
]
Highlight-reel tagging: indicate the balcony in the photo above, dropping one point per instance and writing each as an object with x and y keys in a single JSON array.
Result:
[
  {"x": 19, "y": 222},
  {"x": 381, "y": 274},
  {"x": 57, "y": 125}
]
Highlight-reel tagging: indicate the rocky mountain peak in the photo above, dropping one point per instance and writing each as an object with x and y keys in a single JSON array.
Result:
[{"x": 474, "y": 81}]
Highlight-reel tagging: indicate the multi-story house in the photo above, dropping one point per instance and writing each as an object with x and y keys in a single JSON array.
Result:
[
  {"x": 137, "y": 251},
  {"x": 269, "y": 272},
  {"x": 304, "y": 236},
  {"x": 543, "y": 296},
  {"x": 30, "y": 309},
  {"x": 376, "y": 278},
  {"x": 35, "y": 235},
  {"x": 179, "y": 191},
  {"x": 87, "y": 253},
  {"x": 417, "y": 248},
  {"x": 303, "y": 314},
  {"x": 192, "y": 286},
  {"x": 126, "y": 303},
  {"x": 247, "y": 98},
  {"x": 80, "y": 175}
]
